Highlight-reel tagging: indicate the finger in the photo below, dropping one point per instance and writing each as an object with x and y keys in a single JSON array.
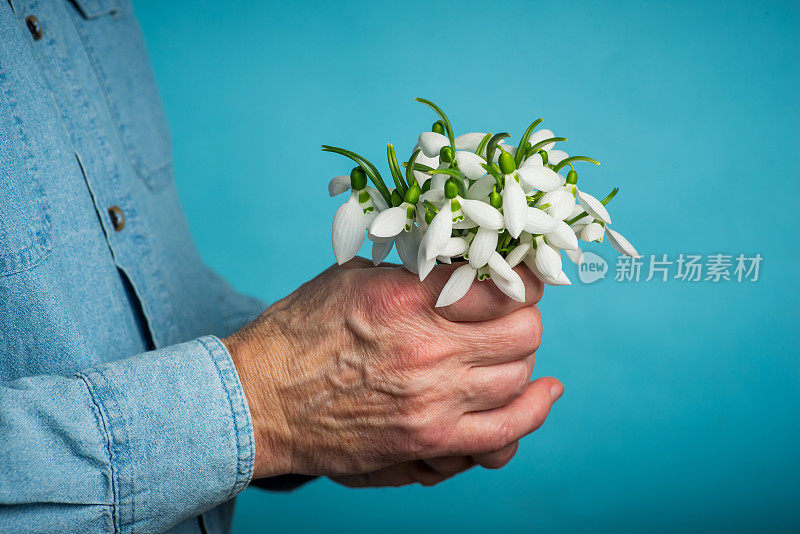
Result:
[
  {"x": 424, "y": 474},
  {"x": 497, "y": 459},
  {"x": 489, "y": 387},
  {"x": 483, "y": 301},
  {"x": 450, "y": 465},
  {"x": 509, "y": 338},
  {"x": 492, "y": 430}
]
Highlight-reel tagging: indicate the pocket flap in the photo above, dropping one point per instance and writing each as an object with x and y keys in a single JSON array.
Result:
[{"x": 91, "y": 9}]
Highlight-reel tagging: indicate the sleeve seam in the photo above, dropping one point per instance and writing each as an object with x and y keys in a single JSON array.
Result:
[
  {"x": 102, "y": 422},
  {"x": 240, "y": 411}
]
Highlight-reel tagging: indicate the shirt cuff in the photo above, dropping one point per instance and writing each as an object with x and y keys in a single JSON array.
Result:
[{"x": 179, "y": 432}]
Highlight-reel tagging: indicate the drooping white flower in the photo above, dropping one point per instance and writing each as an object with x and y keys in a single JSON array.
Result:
[
  {"x": 545, "y": 262},
  {"x": 501, "y": 273},
  {"x": 515, "y": 206},
  {"x": 560, "y": 203},
  {"x": 622, "y": 245},
  {"x": 592, "y": 206},
  {"x": 534, "y": 175},
  {"x": 539, "y": 222},
  {"x": 593, "y": 232},
  {"x": 469, "y": 164},
  {"x": 354, "y": 216},
  {"x": 469, "y": 141},
  {"x": 562, "y": 237},
  {"x": 432, "y": 143}
]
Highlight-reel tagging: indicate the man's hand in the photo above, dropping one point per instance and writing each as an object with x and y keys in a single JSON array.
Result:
[{"x": 357, "y": 376}]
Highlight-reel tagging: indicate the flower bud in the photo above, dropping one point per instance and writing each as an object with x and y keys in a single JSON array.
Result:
[
  {"x": 358, "y": 178},
  {"x": 506, "y": 162},
  {"x": 447, "y": 155},
  {"x": 396, "y": 198},
  {"x": 438, "y": 127},
  {"x": 412, "y": 195},
  {"x": 495, "y": 199},
  {"x": 572, "y": 177},
  {"x": 451, "y": 188}
]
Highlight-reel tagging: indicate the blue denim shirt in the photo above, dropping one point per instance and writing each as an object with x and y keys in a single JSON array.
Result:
[{"x": 120, "y": 411}]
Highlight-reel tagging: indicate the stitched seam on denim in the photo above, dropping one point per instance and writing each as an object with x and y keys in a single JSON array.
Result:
[
  {"x": 121, "y": 444},
  {"x": 147, "y": 175},
  {"x": 102, "y": 423},
  {"x": 40, "y": 245},
  {"x": 241, "y": 417}
]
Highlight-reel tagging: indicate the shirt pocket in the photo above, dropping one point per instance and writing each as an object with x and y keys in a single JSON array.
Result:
[
  {"x": 115, "y": 46},
  {"x": 25, "y": 236}
]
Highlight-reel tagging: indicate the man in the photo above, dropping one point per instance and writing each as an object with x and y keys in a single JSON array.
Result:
[{"x": 120, "y": 408}]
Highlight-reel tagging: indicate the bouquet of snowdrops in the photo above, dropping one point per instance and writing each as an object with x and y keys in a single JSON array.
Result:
[{"x": 477, "y": 199}]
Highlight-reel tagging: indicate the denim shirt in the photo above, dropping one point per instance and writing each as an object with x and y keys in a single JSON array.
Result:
[{"x": 120, "y": 411}]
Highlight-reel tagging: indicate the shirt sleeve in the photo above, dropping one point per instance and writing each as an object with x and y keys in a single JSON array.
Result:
[{"x": 137, "y": 444}]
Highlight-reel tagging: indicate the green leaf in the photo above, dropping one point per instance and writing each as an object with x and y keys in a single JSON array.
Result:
[
  {"x": 492, "y": 145},
  {"x": 441, "y": 114},
  {"x": 394, "y": 168},
  {"x": 566, "y": 161},
  {"x": 523, "y": 140}
]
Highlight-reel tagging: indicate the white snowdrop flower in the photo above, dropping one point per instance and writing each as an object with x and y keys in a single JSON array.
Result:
[
  {"x": 469, "y": 141},
  {"x": 562, "y": 279},
  {"x": 541, "y": 135},
  {"x": 482, "y": 213},
  {"x": 538, "y": 222},
  {"x": 469, "y": 164},
  {"x": 392, "y": 221},
  {"x": 482, "y": 247},
  {"x": 620, "y": 244},
  {"x": 560, "y": 203},
  {"x": 433, "y": 163},
  {"x": 354, "y": 216},
  {"x": 503, "y": 276},
  {"x": 516, "y": 256},
  {"x": 547, "y": 259},
  {"x": 515, "y": 203},
  {"x": 481, "y": 189},
  {"x": 537, "y": 176},
  {"x": 593, "y": 232},
  {"x": 338, "y": 185},
  {"x": 432, "y": 143},
  {"x": 592, "y": 206},
  {"x": 439, "y": 232},
  {"x": 562, "y": 237},
  {"x": 555, "y": 157},
  {"x": 575, "y": 256}
]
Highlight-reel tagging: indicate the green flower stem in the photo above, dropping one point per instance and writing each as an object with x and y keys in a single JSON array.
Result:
[
  {"x": 538, "y": 146},
  {"x": 455, "y": 173},
  {"x": 419, "y": 167},
  {"x": 566, "y": 161},
  {"x": 448, "y": 128},
  {"x": 605, "y": 201},
  {"x": 492, "y": 145},
  {"x": 368, "y": 167},
  {"x": 411, "y": 179},
  {"x": 482, "y": 144},
  {"x": 523, "y": 140},
  {"x": 496, "y": 174},
  {"x": 394, "y": 167}
]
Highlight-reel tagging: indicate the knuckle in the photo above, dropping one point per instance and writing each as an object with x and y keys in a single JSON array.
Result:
[
  {"x": 500, "y": 435},
  {"x": 391, "y": 291}
]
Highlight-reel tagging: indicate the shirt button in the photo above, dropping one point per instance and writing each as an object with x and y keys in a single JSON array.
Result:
[
  {"x": 34, "y": 27},
  {"x": 117, "y": 217}
]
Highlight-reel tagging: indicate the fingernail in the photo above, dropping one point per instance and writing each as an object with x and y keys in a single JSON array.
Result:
[{"x": 555, "y": 391}]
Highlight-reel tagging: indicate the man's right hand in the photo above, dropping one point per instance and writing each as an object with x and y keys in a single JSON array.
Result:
[{"x": 356, "y": 373}]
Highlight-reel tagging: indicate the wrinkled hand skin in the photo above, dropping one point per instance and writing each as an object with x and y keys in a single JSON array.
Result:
[{"x": 357, "y": 376}]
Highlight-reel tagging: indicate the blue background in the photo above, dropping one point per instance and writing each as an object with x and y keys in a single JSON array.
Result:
[{"x": 681, "y": 410}]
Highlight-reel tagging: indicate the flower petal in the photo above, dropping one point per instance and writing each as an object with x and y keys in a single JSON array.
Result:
[
  {"x": 575, "y": 255},
  {"x": 338, "y": 185},
  {"x": 513, "y": 286},
  {"x": 469, "y": 141},
  {"x": 593, "y": 207},
  {"x": 422, "y": 159},
  {"x": 434, "y": 196},
  {"x": 554, "y": 157},
  {"x": 389, "y": 223},
  {"x": 514, "y": 206},
  {"x": 538, "y": 222},
  {"x": 408, "y": 245},
  {"x": 500, "y": 267},
  {"x": 470, "y": 164},
  {"x": 541, "y": 178},
  {"x": 592, "y": 232},
  {"x": 438, "y": 232},
  {"x": 547, "y": 259},
  {"x": 482, "y": 213},
  {"x": 347, "y": 233},
  {"x": 381, "y": 249},
  {"x": 541, "y": 135},
  {"x": 377, "y": 199},
  {"x": 562, "y": 237},
  {"x": 431, "y": 143},
  {"x": 622, "y": 245},
  {"x": 457, "y": 286},
  {"x": 482, "y": 247},
  {"x": 515, "y": 256},
  {"x": 481, "y": 189},
  {"x": 424, "y": 265},
  {"x": 456, "y": 246},
  {"x": 560, "y": 281}
]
